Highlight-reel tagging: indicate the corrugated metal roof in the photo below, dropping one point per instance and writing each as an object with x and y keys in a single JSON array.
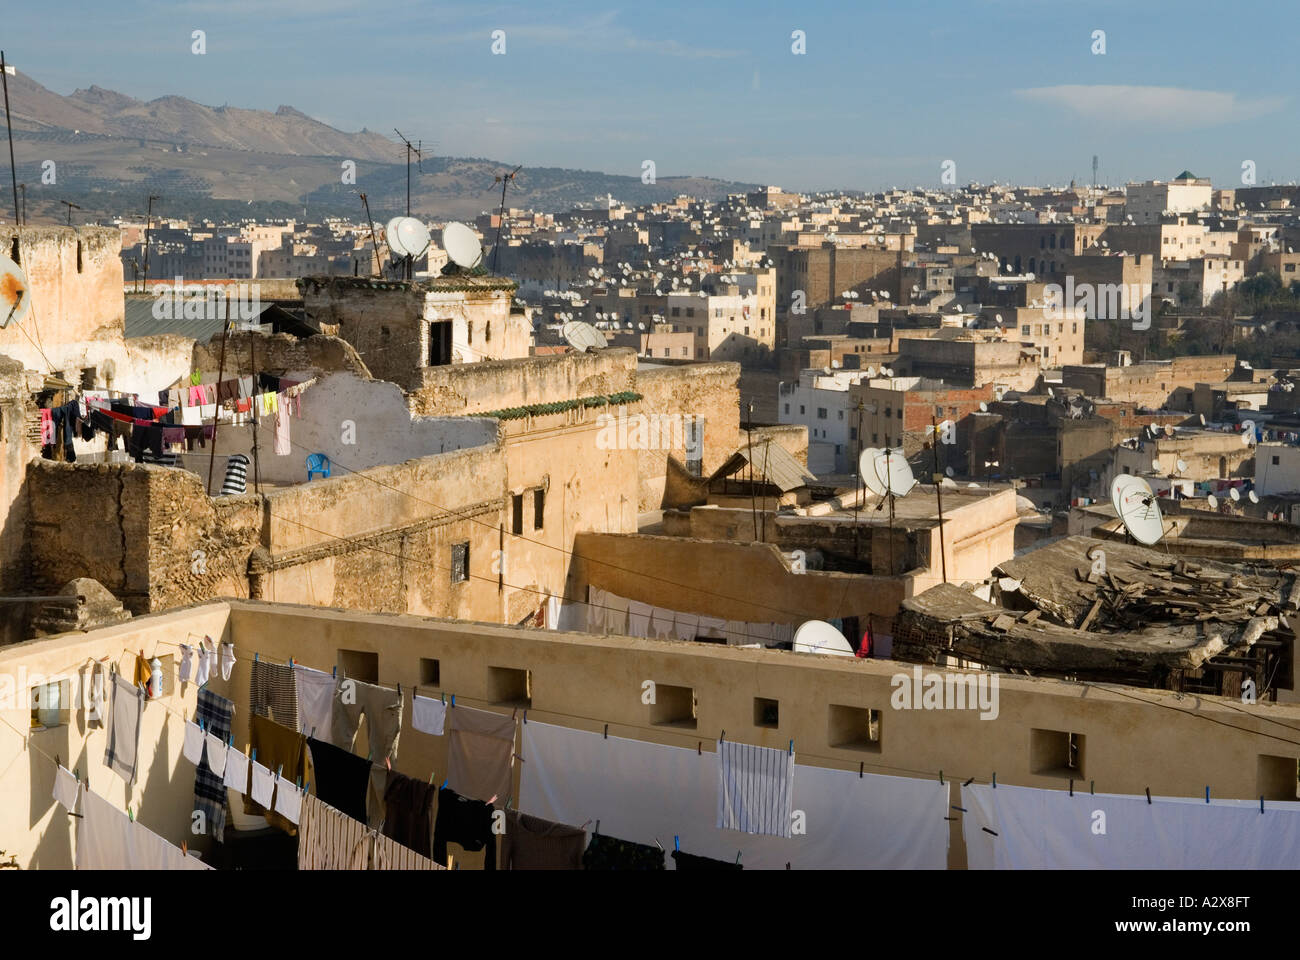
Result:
[
  {"x": 141, "y": 322},
  {"x": 772, "y": 462}
]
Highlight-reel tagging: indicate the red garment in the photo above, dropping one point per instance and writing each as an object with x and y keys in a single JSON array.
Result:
[{"x": 864, "y": 648}]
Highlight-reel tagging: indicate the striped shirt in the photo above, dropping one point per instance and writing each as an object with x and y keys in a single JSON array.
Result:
[{"x": 236, "y": 475}]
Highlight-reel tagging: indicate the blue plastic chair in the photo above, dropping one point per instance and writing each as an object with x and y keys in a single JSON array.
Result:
[{"x": 318, "y": 463}]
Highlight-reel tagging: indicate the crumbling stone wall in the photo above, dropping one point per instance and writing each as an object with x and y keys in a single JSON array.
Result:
[
  {"x": 469, "y": 388},
  {"x": 281, "y": 352}
]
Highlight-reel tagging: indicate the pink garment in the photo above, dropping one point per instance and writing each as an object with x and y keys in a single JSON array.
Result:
[
  {"x": 47, "y": 427},
  {"x": 283, "y": 446},
  {"x": 196, "y": 396}
]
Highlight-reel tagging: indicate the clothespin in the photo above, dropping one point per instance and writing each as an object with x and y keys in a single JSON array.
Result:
[
  {"x": 230, "y": 740},
  {"x": 955, "y": 807},
  {"x": 388, "y": 763},
  {"x": 252, "y": 756},
  {"x": 722, "y": 736},
  {"x": 699, "y": 748},
  {"x": 941, "y": 777},
  {"x": 291, "y": 663},
  {"x": 185, "y": 848},
  {"x": 597, "y": 830},
  {"x": 607, "y": 731},
  {"x": 255, "y": 656},
  {"x": 493, "y": 800},
  {"x": 738, "y": 856},
  {"x": 1261, "y": 803},
  {"x": 298, "y": 783},
  {"x": 453, "y": 699},
  {"x": 444, "y": 785},
  {"x": 370, "y": 755},
  {"x": 790, "y": 751},
  {"x": 987, "y": 830},
  {"x": 1148, "y": 790},
  {"x": 279, "y": 770},
  {"x": 336, "y": 671},
  {"x": 399, "y": 689},
  {"x": 525, "y": 721},
  {"x": 677, "y": 843},
  {"x": 444, "y": 698},
  {"x": 969, "y": 782},
  {"x": 1071, "y": 786},
  {"x": 431, "y": 777},
  {"x": 129, "y": 815},
  {"x": 1092, "y": 787},
  {"x": 658, "y": 844},
  {"x": 1207, "y": 794},
  {"x": 995, "y": 781},
  {"x": 415, "y": 692}
]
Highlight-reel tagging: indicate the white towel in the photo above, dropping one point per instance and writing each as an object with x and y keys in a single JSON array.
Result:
[
  {"x": 755, "y": 789},
  {"x": 638, "y": 618},
  {"x": 616, "y": 614},
  {"x": 95, "y": 714},
  {"x": 123, "y": 739},
  {"x": 428, "y": 715},
  {"x": 595, "y": 610},
  {"x": 712, "y": 627},
  {"x": 193, "y": 748},
  {"x": 662, "y": 623},
  {"x": 686, "y": 626},
  {"x": 262, "y": 785},
  {"x": 236, "y": 777},
  {"x": 66, "y": 788},
  {"x": 315, "y": 702},
  {"x": 288, "y": 800},
  {"x": 737, "y": 632},
  {"x": 216, "y": 755},
  {"x": 553, "y": 612}
]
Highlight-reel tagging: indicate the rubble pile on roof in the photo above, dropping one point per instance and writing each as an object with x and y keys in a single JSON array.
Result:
[{"x": 1102, "y": 610}]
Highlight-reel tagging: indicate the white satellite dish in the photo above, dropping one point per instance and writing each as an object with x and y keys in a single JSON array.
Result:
[
  {"x": 390, "y": 234},
  {"x": 1155, "y": 465},
  {"x": 1213, "y": 501},
  {"x": 867, "y": 470},
  {"x": 818, "y": 636},
  {"x": 15, "y": 295},
  {"x": 892, "y": 472},
  {"x": 407, "y": 237},
  {"x": 1235, "y": 494},
  {"x": 984, "y": 408},
  {"x": 1253, "y": 496},
  {"x": 949, "y": 471},
  {"x": 462, "y": 246},
  {"x": 1137, "y": 509},
  {"x": 583, "y": 336},
  {"x": 1182, "y": 465}
]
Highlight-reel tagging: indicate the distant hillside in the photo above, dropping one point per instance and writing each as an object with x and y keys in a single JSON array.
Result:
[{"x": 111, "y": 151}]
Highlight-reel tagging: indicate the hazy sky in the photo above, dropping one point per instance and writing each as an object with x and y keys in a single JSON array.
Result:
[{"x": 1007, "y": 89}]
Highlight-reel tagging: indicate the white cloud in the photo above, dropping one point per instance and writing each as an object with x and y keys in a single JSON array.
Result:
[{"x": 1169, "y": 107}]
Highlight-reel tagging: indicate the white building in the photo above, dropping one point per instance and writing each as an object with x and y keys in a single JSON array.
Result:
[
  {"x": 1277, "y": 469},
  {"x": 821, "y": 401},
  {"x": 1148, "y": 202}
]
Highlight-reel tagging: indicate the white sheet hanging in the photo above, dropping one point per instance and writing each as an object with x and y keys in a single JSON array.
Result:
[
  {"x": 1049, "y": 829},
  {"x": 645, "y": 791}
]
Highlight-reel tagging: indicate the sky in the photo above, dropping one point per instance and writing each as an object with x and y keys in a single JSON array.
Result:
[{"x": 883, "y": 94}]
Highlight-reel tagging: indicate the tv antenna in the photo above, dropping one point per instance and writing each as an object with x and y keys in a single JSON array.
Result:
[
  {"x": 71, "y": 206},
  {"x": 504, "y": 179},
  {"x": 374, "y": 241},
  {"x": 885, "y": 473},
  {"x": 419, "y": 158}
]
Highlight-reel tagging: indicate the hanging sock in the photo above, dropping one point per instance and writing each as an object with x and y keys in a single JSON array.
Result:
[
  {"x": 186, "y": 664},
  {"x": 227, "y": 659},
  {"x": 204, "y": 664}
]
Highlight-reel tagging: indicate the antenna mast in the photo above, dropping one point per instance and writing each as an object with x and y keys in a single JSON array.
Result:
[
  {"x": 504, "y": 180},
  {"x": 419, "y": 159}
]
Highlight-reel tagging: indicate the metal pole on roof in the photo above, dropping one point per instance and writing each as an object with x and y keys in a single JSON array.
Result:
[
  {"x": 13, "y": 170},
  {"x": 221, "y": 370},
  {"x": 938, "y": 495}
]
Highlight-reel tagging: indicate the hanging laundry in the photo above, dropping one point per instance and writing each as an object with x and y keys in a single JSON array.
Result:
[
  {"x": 273, "y": 692},
  {"x": 383, "y": 711},
  {"x": 227, "y": 659},
  {"x": 209, "y": 787},
  {"x": 428, "y": 715},
  {"x": 686, "y": 625},
  {"x": 315, "y": 692},
  {"x": 124, "y": 712},
  {"x": 408, "y": 812},
  {"x": 66, "y": 788},
  {"x": 329, "y": 839},
  {"x": 283, "y": 444},
  {"x": 216, "y": 754},
  {"x": 236, "y": 772},
  {"x": 236, "y": 481},
  {"x": 288, "y": 801},
  {"x": 261, "y": 784},
  {"x": 342, "y": 778},
  {"x": 480, "y": 749},
  {"x": 387, "y": 854},
  {"x": 47, "y": 427},
  {"x": 595, "y": 610},
  {"x": 663, "y": 623},
  {"x": 282, "y": 749},
  {"x": 616, "y": 614},
  {"x": 464, "y": 821},
  {"x": 531, "y": 843},
  {"x": 186, "y": 663},
  {"x": 638, "y": 618},
  {"x": 755, "y": 789},
  {"x": 107, "y": 839},
  {"x": 193, "y": 748},
  {"x": 203, "y": 664},
  {"x": 95, "y": 711},
  {"x": 608, "y": 853},
  {"x": 687, "y": 861},
  {"x": 713, "y": 627}
]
